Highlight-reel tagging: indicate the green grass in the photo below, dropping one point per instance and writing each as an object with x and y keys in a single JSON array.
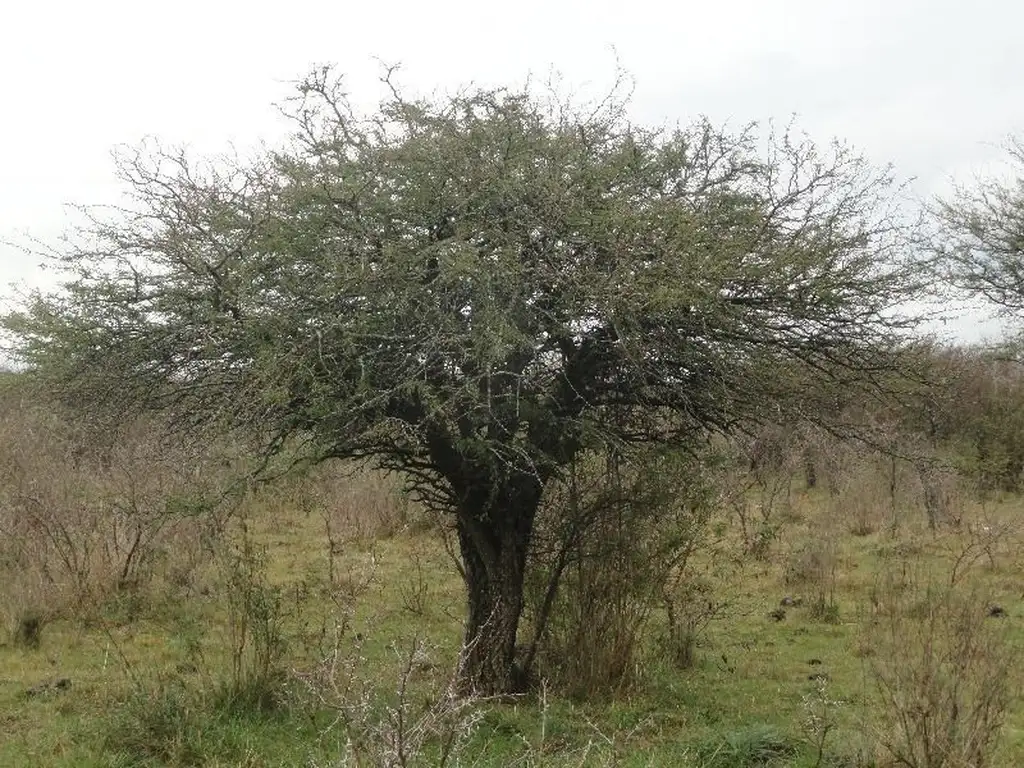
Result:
[{"x": 150, "y": 682}]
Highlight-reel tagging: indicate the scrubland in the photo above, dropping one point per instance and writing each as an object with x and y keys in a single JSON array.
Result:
[{"x": 799, "y": 601}]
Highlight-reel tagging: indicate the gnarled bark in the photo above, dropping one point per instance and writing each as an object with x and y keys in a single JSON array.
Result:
[{"x": 494, "y": 531}]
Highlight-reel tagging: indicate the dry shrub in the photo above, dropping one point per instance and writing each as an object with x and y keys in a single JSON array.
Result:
[
  {"x": 691, "y": 604},
  {"x": 81, "y": 520},
  {"x": 981, "y": 540},
  {"x": 356, "y": 505},
  {"x": 941, "y": 493},
  {"x": 879, "y": 491},
  {"x": 418, "y": 716},
  {"x": 759, "y": 482},
  {"x": 594, "y": 635},
  {"x": 875, "y": 490},
  {"x": 355, "y": 501},
  {"x": 415, "y": 590},
  {"x": 417, "y": 722},
  {"x": 613, "y": 542},
  {"x": 868, "y": 497},
  {"x": 256, "y": 615},
  {"x": 941, "y": 669},
  {"x": 829, "y": 461},
  {"x": 813, "y": 567}
]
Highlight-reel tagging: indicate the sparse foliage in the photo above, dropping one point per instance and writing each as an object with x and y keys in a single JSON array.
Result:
[
  {"x": 82, "y": 520},
  {"x": 981, "y": 237},
  {"x": 401, "y": 731},
  {"x": 256, "y": 614},
  {"x": 820, "y": 717}
]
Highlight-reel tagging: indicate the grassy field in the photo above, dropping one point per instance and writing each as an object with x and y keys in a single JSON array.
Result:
[{"x": 323, "y": 629}]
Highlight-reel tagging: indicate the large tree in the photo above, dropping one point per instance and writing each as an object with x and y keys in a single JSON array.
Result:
[{"x": 471, "y": 291}]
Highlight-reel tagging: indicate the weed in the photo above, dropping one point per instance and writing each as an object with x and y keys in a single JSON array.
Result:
[
  {"x": 257, "y": 640},
  {"x": 820, "y": 718}
]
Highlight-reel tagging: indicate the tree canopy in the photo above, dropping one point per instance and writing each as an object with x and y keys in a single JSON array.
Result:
[
  {"x": 472, "y": 290},
  {"x": 981, "y": 236}
]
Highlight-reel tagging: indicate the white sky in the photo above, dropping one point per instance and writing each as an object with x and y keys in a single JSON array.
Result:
[{"x": 933, "y": 86}]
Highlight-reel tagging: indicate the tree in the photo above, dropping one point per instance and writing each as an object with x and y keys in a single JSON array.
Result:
[
  {"x": 981, "y": 237},
  {"x": 473, "y": 290}
]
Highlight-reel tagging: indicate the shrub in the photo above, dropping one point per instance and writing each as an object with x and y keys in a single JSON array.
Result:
[
  {"x": 940, "y": 673},
  {"x": 614, "y": 543},
  {"x": 409, "y": 727},
  {"x": 256, "y": 615},
  {"x": 28, "y": 630},
  {"x": 83, "y": 518},
  {"x": 814, "y": 566}
]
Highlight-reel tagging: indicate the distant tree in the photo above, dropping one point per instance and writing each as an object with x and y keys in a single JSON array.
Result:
[
  {"x": 473, "y": 290},
  {"x": 981, "y": 237}
]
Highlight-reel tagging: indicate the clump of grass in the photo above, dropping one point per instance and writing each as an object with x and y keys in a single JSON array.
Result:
[
  {"x": 756, "y": 746},
  {"x": 175, "y": 722},
  {"x": 825, "y": 610},
  {"x": 165, "y": 724}
]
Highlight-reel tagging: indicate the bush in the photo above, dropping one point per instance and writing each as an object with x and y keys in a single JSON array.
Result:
[
  {"x": 408, "y": 726},
  {"x": 256, "y": 615},
  {"x": 83, "y": 518},
  {"x": 940, "y": 672},
  {"x": 28, "y": 631},
  {"x": 614, "y": 543},
  {"x": 814, "y": 566}
]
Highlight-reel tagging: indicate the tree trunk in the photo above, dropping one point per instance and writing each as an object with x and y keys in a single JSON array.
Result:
[{"x": 495, "y": 526}]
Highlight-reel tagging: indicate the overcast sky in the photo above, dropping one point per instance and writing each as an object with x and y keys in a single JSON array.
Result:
[{"x": 933, "y": 86}]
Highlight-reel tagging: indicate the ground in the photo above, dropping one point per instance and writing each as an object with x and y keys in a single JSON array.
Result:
[{"x": 161, "y": 675}]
